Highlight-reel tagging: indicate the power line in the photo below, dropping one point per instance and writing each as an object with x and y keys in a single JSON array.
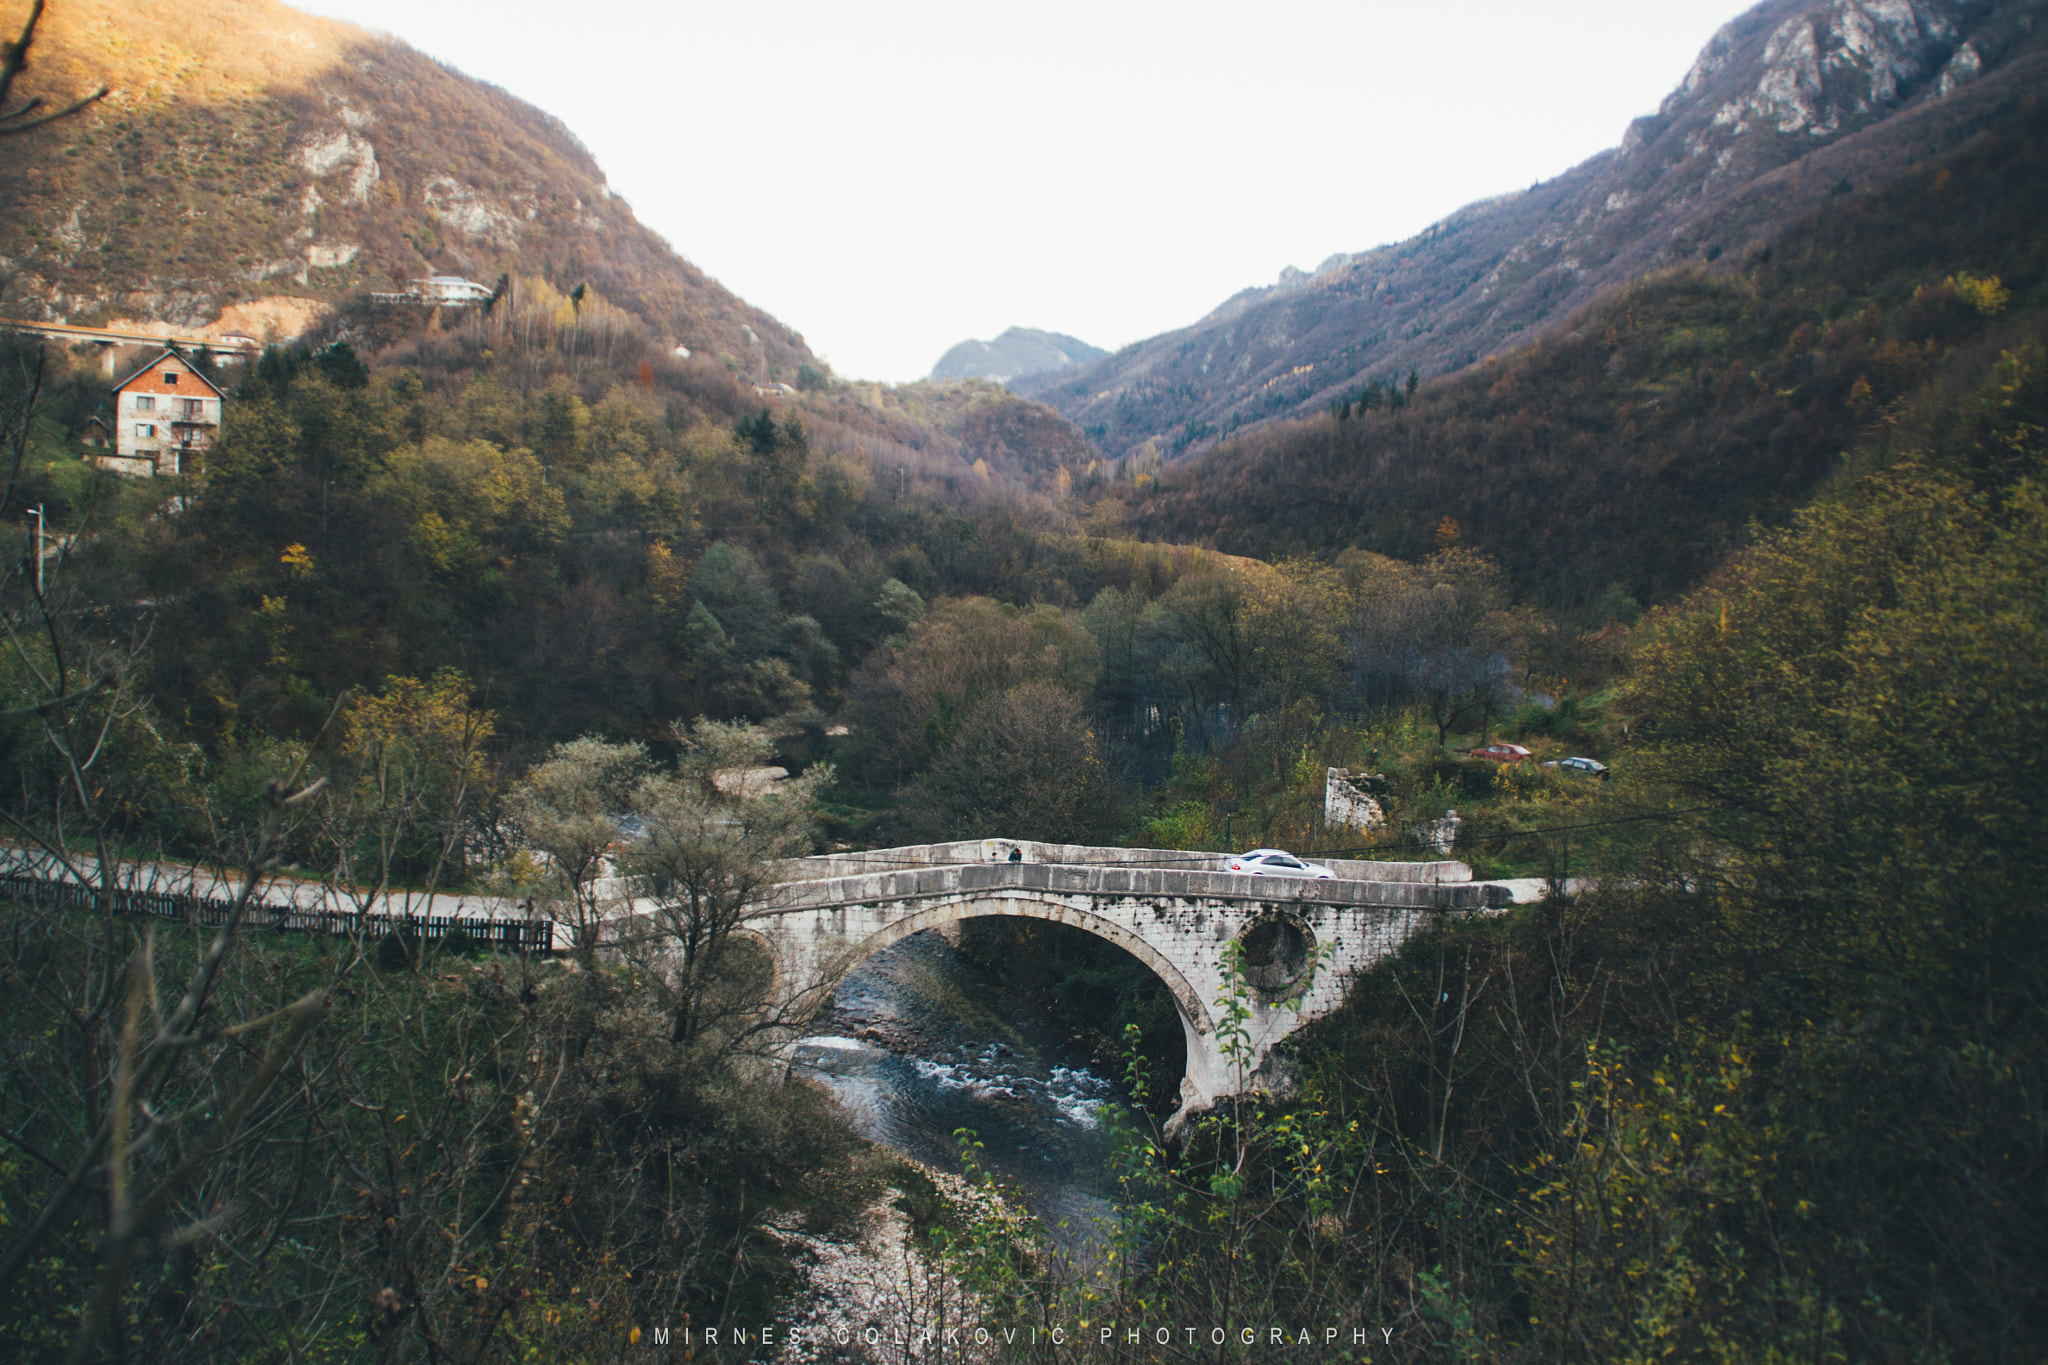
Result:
[{"x": 1425, "y": 841}]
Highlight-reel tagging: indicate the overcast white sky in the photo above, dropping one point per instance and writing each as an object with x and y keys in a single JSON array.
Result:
[{"x": 892, "y": 176}]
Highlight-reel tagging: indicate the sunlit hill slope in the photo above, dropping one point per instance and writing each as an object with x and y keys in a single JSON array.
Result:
[{"x": 248, "y": 151}]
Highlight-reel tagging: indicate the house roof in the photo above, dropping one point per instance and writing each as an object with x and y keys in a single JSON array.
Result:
[{"x": 158, "y": 359}]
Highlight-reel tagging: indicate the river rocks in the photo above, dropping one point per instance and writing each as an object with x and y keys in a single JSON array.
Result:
[{"x": 876, "y": 1294}]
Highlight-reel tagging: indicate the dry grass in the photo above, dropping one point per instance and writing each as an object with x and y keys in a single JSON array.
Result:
[{"x": 156, "y": 50}]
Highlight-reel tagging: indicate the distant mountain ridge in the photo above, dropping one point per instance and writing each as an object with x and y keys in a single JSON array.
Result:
[
  {"x": 249, "y": 151},
  {"x": 1017, "y": 353},
  {"x": 1789, "y": 103}
]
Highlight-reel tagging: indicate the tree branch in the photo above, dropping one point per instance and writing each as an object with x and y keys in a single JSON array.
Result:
[
  {"x": 13, "y": 61},
  {"x": 9, "y": 128},
  {"x": 44, "y": 708}
]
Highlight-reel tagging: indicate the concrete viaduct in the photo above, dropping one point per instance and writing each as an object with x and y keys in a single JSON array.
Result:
[
  {"x": 1301, "y": 941},
  {"x": 107, "y": 341}
]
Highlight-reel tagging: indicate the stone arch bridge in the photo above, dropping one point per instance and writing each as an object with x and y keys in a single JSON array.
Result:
[{"x": 1301, "y": 941}]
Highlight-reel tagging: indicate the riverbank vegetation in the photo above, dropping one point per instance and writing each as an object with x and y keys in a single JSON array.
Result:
[
  {"x": 239, "y": 1143},
  {"x": 365, "y": 1156}
]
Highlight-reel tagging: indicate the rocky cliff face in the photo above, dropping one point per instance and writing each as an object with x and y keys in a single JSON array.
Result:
[
  {"x": 250, "y": 152},
  {"x": 1019, "y": 352},
  {"x": 1792, "y": 102}
]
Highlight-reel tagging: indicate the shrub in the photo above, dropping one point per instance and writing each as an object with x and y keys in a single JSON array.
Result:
[
  {"x": 457, "y": 942},
  {"x": 399, "y": 950}
]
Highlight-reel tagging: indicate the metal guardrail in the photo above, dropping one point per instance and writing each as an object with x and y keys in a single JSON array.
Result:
[{"x": 211, "y": 912}]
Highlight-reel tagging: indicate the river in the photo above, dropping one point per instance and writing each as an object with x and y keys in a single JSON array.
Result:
[{"x": 920, "y": 1042}]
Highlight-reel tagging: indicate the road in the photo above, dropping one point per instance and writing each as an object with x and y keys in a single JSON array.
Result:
[{"x": 277, "y": 891}]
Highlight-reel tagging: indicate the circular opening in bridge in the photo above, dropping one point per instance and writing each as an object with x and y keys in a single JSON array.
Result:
[{"x": 1275, "y": 953}]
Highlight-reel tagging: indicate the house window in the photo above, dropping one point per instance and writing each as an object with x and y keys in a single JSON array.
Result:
[
  {"x": 145, "y": 403},
  {"x": 195, "y": 407},
  {"x": 144, "y": 429},
  {"x": 170, "y": 377}
]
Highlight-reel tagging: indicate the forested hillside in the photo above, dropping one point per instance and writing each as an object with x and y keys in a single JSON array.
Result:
[
  {"x": 263, "y": 153},
  {"x": 1790, "y": 104},
  {"x": 554, "y": 540},
  {"x": 1630, "y": 455}
]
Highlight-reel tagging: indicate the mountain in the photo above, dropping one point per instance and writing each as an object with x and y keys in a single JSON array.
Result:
[
  {"x": 1630, "y": 454},
  {"x": 1789, "y": 104},
  {"x": 1019, "y": 352},
  {"x": 257, "y": 159}
]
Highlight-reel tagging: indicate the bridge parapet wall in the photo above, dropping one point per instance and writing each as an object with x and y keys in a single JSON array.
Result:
[
  {"x": 995, "y": 851},
  {"x": 922, "y": 882},
  {"x": 1361, "y": 870}
]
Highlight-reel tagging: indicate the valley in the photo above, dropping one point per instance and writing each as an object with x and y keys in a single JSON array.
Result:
[{"x": 1668, "y": 538}]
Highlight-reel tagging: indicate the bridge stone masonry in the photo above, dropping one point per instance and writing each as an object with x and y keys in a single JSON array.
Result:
[{"x": 1301, "y": 942}]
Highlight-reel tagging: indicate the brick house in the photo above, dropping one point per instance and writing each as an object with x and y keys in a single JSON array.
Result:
[{"x": 163, "y": 413}]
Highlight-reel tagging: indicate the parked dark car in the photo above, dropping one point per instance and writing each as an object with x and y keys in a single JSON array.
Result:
[{"x": 1580, "y": 765}]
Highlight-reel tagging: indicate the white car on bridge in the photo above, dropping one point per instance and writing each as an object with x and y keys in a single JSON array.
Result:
[{"x": 1277, "y": 862}]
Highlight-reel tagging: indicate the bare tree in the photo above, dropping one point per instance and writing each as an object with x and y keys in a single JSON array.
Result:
[
  {"x": 163, "y": 1093},
  {"x": 1438, "y": 635},
  {"x": 715, "y": 838},
  {"x": 568, "y": 810},
  {"x": 1024, "y": 765}
]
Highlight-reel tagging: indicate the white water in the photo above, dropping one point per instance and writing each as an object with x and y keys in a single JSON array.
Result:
[{"x": 919, "y": 1043}]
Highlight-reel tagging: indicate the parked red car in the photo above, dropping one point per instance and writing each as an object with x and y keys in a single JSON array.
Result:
[{"x": 1500, "y": 753}]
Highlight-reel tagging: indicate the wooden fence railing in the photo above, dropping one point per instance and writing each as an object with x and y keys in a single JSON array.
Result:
[{"x": 210, "y": 912}]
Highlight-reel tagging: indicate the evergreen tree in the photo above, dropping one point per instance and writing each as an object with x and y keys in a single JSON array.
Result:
[
  {"x": 759, "y": 432},
  {"x": 342, "y": 367}
]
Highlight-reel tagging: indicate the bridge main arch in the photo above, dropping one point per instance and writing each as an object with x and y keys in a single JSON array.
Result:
[
  {"x": 851, "y": 934},
  {"x": 1193, "y": 1011},
  {"x": 1197, "y": 1028}
]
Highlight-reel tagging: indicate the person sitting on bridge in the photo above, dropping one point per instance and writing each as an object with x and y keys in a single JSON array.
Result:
[{"x": 1016, "y": 853}]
